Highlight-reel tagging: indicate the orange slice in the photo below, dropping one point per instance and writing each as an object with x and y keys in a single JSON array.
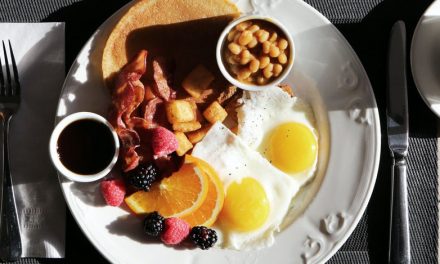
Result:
[
  {"x": 178, "y": 195},
  {"x": 208, "y": 212}
]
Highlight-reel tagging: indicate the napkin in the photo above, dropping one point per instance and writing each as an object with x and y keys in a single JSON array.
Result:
[{"x": 39, "y": 52}]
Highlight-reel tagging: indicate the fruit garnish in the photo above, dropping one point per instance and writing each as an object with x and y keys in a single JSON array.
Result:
[
  {"x": 153, "y": 224},
  {"x": 246, "y": 207},
  {"x": 180, "y": 194},
  {"x": 175, "y": 231},
  {"x": 208, "y": 212},
  {"x": 143, "y": 176},
  {"x": 203, "y": 237},
  {"x": 113, "y": 191},
  {"x": 163, "y": 142}
]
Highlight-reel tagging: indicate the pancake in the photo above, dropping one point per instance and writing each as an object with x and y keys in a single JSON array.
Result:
[{"x": 184, "y": 31}]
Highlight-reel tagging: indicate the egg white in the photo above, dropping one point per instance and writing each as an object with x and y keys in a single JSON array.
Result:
[
  {"x": 233, "y": 161},
  {"x": 263, "y": 111}
]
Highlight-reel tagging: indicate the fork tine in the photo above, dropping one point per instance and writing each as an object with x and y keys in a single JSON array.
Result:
[
  {"x": 15, "y": 88},
  {"x": 2, "y": 78},
  {"x": 8, "y": 73}
]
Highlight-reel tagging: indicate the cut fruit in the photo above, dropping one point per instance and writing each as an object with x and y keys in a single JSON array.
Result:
[
  {"x": 178, "y": 195},
  {"x": 208, "y": 212}
]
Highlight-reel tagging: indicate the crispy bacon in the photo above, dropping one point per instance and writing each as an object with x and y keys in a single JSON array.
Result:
[
  {"x": 150, "y": 110},
  {"x": 134, "y": 70},
  {"x": 130, "y": 159},
  {"x": 160, "y": 83},
  {"x": 136, "y": 109},
  {"x": 136, "y": 122},
  {"x": 129, "y": 142},
  {"x": 128, "y": 94},
  {"x": 128, "y": 137},
  {"x": 115, "y": 119}
]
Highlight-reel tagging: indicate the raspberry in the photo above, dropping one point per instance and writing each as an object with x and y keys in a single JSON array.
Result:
[
  {"x": 163, "y": 142},
  {"x": 153, "y": 224},
  {"x": 203, "y": 237},
  {"x": 143, "y": 176},
  {"x": 175, "y": 231},
  {"x": 113, "y": 191}
]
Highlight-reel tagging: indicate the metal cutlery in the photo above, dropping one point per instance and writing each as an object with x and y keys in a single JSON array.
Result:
[
  {"x": 397, "y": 128},
  {"x": 10, "y": 241}
]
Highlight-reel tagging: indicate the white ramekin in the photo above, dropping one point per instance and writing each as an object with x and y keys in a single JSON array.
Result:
[
  {"x": 55, "y": 156},
  {"x": 246, "y": 86}
]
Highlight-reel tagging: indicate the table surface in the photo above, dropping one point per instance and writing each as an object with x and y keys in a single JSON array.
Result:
[{"x": 366, "y": 25}]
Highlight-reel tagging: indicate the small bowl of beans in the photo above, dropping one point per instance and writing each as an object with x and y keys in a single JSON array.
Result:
[{"x": 254, "y": 52}]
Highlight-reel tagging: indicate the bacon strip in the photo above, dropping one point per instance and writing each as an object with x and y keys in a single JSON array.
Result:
[
  {"x": 129, "y": 93},
  {"x": 150, "y": 110},
  {"x": 160, "y": 84},
  {"x": 136, "y": 109}
]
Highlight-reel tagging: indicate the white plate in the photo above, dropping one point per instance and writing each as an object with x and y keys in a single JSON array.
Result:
[
  {"x": 425, "y": 57},
  {"x": 328, "y": 73}
]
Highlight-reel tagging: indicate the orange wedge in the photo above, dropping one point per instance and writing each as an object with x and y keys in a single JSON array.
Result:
[
  {"x": 178, "y": 195},
  {"x": 208, "y": 212}
]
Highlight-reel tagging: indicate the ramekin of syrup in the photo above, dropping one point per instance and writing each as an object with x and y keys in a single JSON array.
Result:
[{"x": 84, "y": 147}]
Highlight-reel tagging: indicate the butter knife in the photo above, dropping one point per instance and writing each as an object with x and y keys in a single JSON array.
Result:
[{"x": 397, "y": 128}]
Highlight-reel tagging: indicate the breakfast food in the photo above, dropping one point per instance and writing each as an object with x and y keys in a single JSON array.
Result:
[
  {"x": 178, "y": 19},
  {"x": 175, "y": 231},
  {"x": 286, "y": 134},
  {"x": 256, "y": 52},
  {"x": 257, "y": 194},
  {"x": 203, "y": 237},
  {"x": 240, "y": 184},
  {"x": 201, "y": 160},
  {"x": 113, "y": 191},
  {"x": 153, "y": 224},
  {"x": 143, "y": 176}
]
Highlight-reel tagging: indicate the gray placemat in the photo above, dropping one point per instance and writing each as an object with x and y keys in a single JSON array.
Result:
[{"x": 366, "y": 25}]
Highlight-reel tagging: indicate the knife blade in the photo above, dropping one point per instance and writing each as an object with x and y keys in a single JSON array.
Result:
[{"x": 397, "y": 130}]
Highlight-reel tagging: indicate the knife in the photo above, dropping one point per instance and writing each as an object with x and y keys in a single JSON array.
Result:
[{"x": 397, "y": 128}]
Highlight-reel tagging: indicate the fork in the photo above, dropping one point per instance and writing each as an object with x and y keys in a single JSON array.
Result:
[{"x": 10, "y": 241}]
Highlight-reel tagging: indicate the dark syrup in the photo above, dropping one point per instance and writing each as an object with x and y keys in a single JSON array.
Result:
[{"x": 86, "y": 146}]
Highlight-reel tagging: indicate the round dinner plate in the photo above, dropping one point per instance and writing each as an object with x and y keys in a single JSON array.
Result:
[
  {"x": 425, "y": 57},
  {"x": 329, "y": 75}
]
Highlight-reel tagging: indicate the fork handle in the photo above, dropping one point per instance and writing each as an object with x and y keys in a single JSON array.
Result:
[{"x": 10, "y": 241}]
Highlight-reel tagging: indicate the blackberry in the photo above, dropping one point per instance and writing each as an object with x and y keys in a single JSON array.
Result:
[
  {"x": 203, "y": 237},
  {"x": 154, "y": 224},
  {"x": 143, "y": 176}
]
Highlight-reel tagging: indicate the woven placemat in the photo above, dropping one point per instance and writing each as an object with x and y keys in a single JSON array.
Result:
[{"x": 366, "y": 25}]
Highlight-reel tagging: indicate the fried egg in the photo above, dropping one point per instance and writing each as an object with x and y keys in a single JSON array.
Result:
[
  {"x": 282, "y": 129},
  {"x": 257, "y": 194}
]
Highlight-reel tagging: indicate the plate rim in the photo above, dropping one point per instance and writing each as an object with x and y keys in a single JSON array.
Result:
[
  {"x": 377, "y": 138},
  {"x": 376, "y": 146}
]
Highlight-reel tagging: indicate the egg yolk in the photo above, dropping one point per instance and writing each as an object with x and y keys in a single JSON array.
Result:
[
  {"x": 246, "y": 207},
  {"x": 292, "y": 147}
]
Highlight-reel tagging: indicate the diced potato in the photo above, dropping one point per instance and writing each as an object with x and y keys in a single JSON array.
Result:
[
  {"x": 179, "y": 111},
  {"x": 195, "y": 108},
  {"x": 183, "y": 142},
  {"x": 197, "y": 81},
  {"x": 215, "y": 112},
  {"x": 197, "y": 136},
  {"x": 187, "y": 126}
]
